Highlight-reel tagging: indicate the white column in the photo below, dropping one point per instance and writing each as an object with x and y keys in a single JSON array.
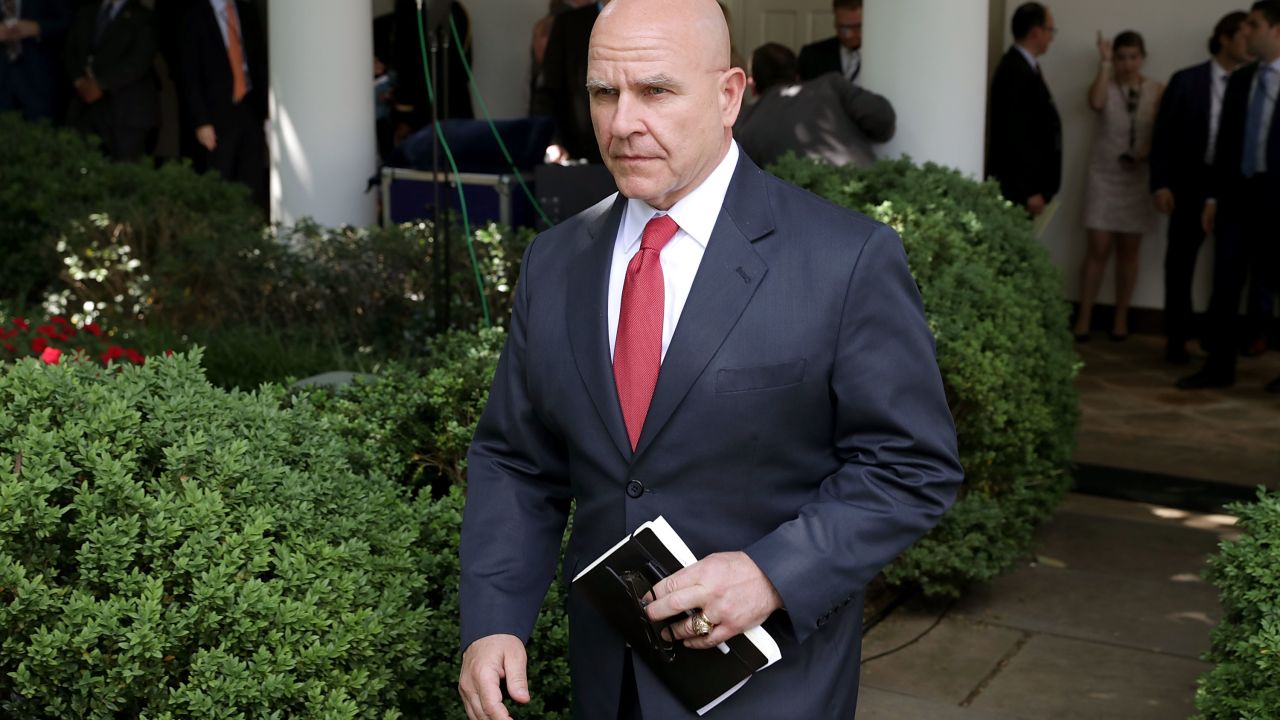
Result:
[
  {"x": 929, "y": 57},
  {"x": 322, "y": 138}
]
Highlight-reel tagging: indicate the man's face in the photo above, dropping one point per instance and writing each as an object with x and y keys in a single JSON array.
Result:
[
  {"x": 849, "y": 28},
  {"x": 1236, "y": 47},
  {"x": 1043, "y": 35},
  {"x": 1264, "y": 38},
  {"x": 661, "y": 103},
  {"x": 1128, "y": 61}
]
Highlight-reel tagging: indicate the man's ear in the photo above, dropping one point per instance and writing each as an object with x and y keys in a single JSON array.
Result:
[{"x": 733, "y": 85}]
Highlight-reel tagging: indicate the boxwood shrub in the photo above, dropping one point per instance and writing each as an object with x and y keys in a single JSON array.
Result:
[
  {"x": 994, "y": 303},
  {"x": 1245, "y": 681},
  {"x": 169, "y": 549}
]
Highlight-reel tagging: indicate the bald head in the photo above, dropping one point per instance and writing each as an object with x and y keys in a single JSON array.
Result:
[{"x": 698, "y": 26}]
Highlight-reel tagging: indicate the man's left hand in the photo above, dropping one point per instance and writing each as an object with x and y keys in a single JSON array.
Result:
[
  {"x": 730, "y": 589},
  {"x": 24, "y": 29}
]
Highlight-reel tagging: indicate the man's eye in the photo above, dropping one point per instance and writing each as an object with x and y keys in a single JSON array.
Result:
[{"x": 655, "y": 91}]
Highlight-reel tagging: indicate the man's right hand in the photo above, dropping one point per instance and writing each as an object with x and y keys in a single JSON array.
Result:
[
  {"x": 1164, "y": 201},
  {"x": 1035, "y": 205},
  {"x": 207, "y": 137},
  {"x": 485, "y": 664},
  {"x": 1208, "y": 216}
]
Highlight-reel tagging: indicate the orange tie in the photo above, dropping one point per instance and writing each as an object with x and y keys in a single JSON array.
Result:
[{"x": 239, "y": 86}]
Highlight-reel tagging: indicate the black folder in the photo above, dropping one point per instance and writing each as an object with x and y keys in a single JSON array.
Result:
[{"x": 616, "y": 583}]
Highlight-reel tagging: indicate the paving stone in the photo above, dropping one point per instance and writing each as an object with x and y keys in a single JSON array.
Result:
[
  {"x": 1111, "y": 546},
  {"x": 1053, "y": 678},
  {"x": 874, "y": 704},
  {"x": 1160, "y": 616},
  {"x": 945, "y": 665}
]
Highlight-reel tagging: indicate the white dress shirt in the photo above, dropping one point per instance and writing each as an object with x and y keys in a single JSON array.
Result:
[
  {"x": 696, "y": 214},
  {"x": 1272, "y": 88},
  {"x": 1217, "y": 89},
  {"x": 850, "y": 64}
]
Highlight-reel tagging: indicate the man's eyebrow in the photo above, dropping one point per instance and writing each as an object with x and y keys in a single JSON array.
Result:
[
  {"x": 599, "y": 85},
  {"x": 660, "y": 79}
]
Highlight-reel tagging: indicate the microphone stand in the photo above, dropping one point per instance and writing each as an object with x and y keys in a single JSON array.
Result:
[{"x": 438, "y": 36}]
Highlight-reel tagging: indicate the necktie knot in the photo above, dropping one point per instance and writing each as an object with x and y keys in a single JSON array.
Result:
[{"x": 658, "y": 232}]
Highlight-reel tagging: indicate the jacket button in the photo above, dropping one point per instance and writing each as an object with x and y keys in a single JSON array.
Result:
[{"x": 635, "y": 489}]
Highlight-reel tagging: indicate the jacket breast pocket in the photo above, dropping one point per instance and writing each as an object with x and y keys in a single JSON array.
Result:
[{"x": 732, "y": 380}]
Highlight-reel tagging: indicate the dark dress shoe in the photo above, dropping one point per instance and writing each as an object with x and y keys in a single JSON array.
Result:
[
  {"x": 1206, "y": 379},
  {"x": 1274, "y": 386},
  {"x": 1177, "y": 355}
]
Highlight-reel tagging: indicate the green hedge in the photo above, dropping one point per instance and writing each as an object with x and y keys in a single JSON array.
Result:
[
  {"x": 994, "y": 303},
  {"x": 1245, "y": 681},
  {"x": 169, "y": 549}
]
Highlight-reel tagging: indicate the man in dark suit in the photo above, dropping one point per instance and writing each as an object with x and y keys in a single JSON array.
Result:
[
  {"x": 1243, "y": 188},
  {"x": 31, "y": 34},
  {"x": 110, "y": 56},
  {"x": 1024, "y": 148},
  {"x": 841, "y": 53},
  {"x": 224, "y": 84},
  {"x": 719, "y": 348},
  {"x": 826, "y": 118},
  {"x": 559, "y": 88},
  {"x": 1182, "y": 152}
]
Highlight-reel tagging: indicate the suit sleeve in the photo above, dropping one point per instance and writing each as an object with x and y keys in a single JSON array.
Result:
[
  {"x": 517, "y": 499},
  {"x": 75, "y": 55},
  {"x": 54, "y": 17},
  {"x": 872, "y": 113},
  {"x": 808, "y": 66},
  {"x": 138, "y": 64},
  {"x": 896, "y": 437},
  {"x": 1163, "y": 134}
]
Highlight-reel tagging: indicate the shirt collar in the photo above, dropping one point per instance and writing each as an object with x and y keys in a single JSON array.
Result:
[
  {"x": 1275, "y": 66},
  {"x": 695, "y": 213},
  {"x": 1035, "y": 64},
  {"x": 1218, "y": 71}
]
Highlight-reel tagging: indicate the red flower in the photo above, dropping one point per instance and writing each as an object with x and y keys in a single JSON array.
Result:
[
  {"x": 168, "y": 353},
  {"x": 49, "y": 331},
  {"x": 59, "y": 320},
  {"x": 10, "y": 347},
  {"x": 115, "y": 352},
  {"x": 50, "y": 355},
  {"x": 134, "y": 356},
  {"x": 93, "y": 329},
  {"x": 21, "y": 323},
  {"x": 6, "y": 334},
  {"x": 39, "y": 344}
]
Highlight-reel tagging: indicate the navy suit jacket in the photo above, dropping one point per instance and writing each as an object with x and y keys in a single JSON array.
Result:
[
  {"x": 1227, "y": 175},
  {"x": 799, "y": 416},
  {"x": 1181, "y": 136},
  {"x": 207, "y": 82},
  {"x": 819, "y": 58},
  {"x": 1024, "y": 147},
  {"x": 34, "y": 73}
]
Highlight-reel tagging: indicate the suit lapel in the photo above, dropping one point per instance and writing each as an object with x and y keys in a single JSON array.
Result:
[
  {"x": 727, "y": 278},
  {"x": 588, "y": 320}
]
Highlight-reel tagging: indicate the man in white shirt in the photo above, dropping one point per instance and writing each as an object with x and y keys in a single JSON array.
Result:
[
  {"x": 718, "y": 348},
  {"x": 842, "y": 53},
  {"x": 1244, "y": 185},
  {"x": 1182, "y": 154}
]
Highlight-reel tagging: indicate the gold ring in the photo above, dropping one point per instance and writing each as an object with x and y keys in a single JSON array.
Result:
[{"x": 701, "y": 625}]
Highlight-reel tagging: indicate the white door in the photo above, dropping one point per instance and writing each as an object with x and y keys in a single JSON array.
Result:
[{"x": 793, "y": 23}]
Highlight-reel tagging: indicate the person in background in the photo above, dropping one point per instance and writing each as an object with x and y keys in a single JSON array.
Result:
[
  {"x": 1117, "y": 208},
  {"x": 541, "y": 36},
  {"x": 826, "y": 118},
  {"x": 842, "y": 53},
  {"x": 1024, "y": 148},
  {"x": 1182, "y": 152},
  {"x": 110, "y": 56},
  {"x": 560, "y": 87},
  {"x": 1243, "y": 188},
  {"x": 31, "y": 34},
  {"x": 225, "y": 87}
]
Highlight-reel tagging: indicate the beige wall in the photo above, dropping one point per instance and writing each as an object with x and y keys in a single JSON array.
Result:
[{"x": 1176, "y": 32}]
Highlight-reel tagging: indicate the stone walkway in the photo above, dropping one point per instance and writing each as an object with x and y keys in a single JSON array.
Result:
[{"x": 1109, "y": 618}]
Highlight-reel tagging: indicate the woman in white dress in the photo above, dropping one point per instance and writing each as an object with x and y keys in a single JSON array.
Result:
[{"x": 1118, "y": 205}]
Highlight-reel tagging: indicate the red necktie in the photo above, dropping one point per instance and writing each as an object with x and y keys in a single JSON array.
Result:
[
  {"x": 637, "y": 352},
  {"x": 235, "y": 54}
]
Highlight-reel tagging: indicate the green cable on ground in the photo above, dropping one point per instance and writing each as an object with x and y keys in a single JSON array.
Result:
[
  {"x": 457, "y": 176},
  {"x": 471, "y": 80}
]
